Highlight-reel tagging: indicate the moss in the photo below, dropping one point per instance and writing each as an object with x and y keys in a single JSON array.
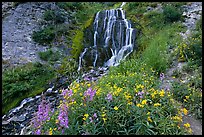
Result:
[{"x": 77, "y": 40}]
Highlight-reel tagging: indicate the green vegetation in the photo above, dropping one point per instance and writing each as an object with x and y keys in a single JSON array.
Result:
[
  {"x": 56, "y": 17},
  {"x": 128, "y": 100},
  {"x": 171, "y": 13},
  {"x": 21, "y": 82},
  {"x": 49, "y": 55},
  {"x": 44, "y": 36}
]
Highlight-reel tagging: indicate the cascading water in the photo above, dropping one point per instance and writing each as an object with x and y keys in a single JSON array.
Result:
[{"x": 113, "y": 39}]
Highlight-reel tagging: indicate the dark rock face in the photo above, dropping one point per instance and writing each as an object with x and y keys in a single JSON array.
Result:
[{"x": 110, "y": 40}]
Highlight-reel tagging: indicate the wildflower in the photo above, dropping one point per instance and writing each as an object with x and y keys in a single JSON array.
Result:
[
  {"x": 63, "y": 116},
  {"x": 144, "y": 102},
  {"x": 177, "y": 118},
  {"x": 139, "y": 105},
  {"x": 50, "y": 131},
  {"x": 91, "y": 120},
  {"x": 162, "y": 76},
  {"x": 116, "y": 108},
  {"x": 109, "y": 97},
  {"x": 85, "y": 116},
  {"x": 104, "y": 119},
  {"x": 140, "y": 94},
  {"x": 185, "y": 111},
  {"x": 42, "y": 115},
  {"x": 148, "y": 113},
  {"x": 90, "y": 93},
  {"x": 187, "y": 125},
  {"x": 38, "y": 132},
  {"x": 187, "y": 97},
  {"x": 162, "y": 93},
  {"x": 95, "y": 115},
  {"x": 149, "y": 119},
  {"x": 87, "y": 79},
  {"x": 67, "y": 92},
  {"x": 157, "y": 104}
]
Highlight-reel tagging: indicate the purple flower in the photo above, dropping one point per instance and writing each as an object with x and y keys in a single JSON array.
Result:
[
  {"x": 109, "y": 97},
  {"x": 162, "y": 76},
  {"x": 87, "y": 79},
  {"x": 95, "y": 115},
  {"x": 67, "y": 92},
  {"x": 63, "y": 116},
  {"x": 38, "y": 132},
  {"x": 89, "y": 92},
  {"x": 41, "y": 115},
  {"x": 91, "y": 120},
  {"x": 140, "y": 94}
]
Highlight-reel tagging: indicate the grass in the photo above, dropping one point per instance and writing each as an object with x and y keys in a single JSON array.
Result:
[{"x": 22, "y": 82}]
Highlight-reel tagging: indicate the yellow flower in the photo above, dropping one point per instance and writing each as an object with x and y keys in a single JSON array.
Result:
[
  {"x": 185, "y": 111},
  {"x": 157, "y": 104},
  {"x": 187, "y": 97},
  {"x": 162, "y": 93},
  {"x": 144, "y": 102},
  {"x": 85, "y": 116},
  {"x": 116, "y": 108},
  {"x": 103, "y": 115},
  {"x": 56, "y": 121},
  {"x": 104, "y": 119},
  {"x": 50, "y": 131},
  {"x": 139, "y": 105},
  {"x": 149, "y": 119},
  {"x": 177, "y": 118},
  {"x": 148, "y": 113},
  {"x": 187, "y": 125}
]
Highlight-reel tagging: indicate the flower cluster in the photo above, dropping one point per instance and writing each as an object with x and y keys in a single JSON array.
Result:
[
  {"x": 63, "y": 116},
  {"x": 42, "y": 115},
  {"x": 90, "y": 93}
]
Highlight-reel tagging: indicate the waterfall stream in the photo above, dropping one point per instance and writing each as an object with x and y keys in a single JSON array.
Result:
[{"x": 113, "y": 39}]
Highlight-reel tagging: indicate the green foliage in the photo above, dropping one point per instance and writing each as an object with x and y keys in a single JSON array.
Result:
[
  {"x": 49, "y": 55},
  {"x": 191, "y": 49},
  {"x": 155, "y": 18},
  {"x": 68, "y": 67},
  {"x": 56, "y": 16},
  {"x": 21, "y": 82},
  {"x": 171, "y": 13},
  {"x": 126, "y": 113},
  {"x": 44, "y": 36},
  {"x": 190, "y": 96},
  {"x": 77, "y": 44},
  {"x": 74, "y": 6}
]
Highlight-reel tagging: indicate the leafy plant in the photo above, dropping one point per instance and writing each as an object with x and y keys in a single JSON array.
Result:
[
  {"x": 44, "y": 36},
  {"x": 171, "y": 13},
  {"x": 56, "y": 16}
]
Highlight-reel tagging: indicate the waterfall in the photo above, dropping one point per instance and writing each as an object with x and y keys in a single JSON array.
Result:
[{"x": 113, "y": 39}]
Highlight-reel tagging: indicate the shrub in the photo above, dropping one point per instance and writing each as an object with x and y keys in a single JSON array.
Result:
[
  {"x": 171, "y": 13},
  {"x": 49, "y": 55},
  {"x": 70, "y": 5},
  {"x": 44, "y": 36},
  {"x": 56, "y": 16}
]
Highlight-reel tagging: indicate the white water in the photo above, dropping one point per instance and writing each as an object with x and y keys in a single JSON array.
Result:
[{"x": 116, "y": 47}]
